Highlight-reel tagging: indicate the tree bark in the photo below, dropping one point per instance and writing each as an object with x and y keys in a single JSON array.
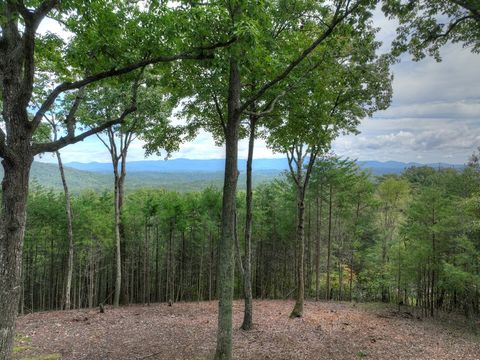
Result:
[
  {"x": 68, "y": 210},
  {"x": 298, "y": 308},
  {"x": 119, "y": 163},
  {"x": 118, "y": 256},
  {"x": 247, "y": 275},
  {"x": 15, "y": 149},
  {"x": 12, "y": 229},
  {"x": 119, "y": 226},
  {"x": 318, "y": 241},
  {"x": 329, "y": 242},
  {"x": 226, "y": 244}
]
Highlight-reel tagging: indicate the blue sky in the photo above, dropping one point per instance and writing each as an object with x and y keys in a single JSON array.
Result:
[{"x": 434, "y": 116}]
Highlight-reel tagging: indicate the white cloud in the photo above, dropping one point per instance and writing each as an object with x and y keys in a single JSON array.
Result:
[
  {"x": 456, "y": 78},
  {"x": 406, "y": 139},
  {"x": 456, "y": 110}
]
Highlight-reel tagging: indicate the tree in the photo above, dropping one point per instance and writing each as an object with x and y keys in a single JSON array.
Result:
[
  {"x": 254, "y": 28},
  {"x": 68, "y": 211},
  {"x": 426, "y": 25},
  {"x": 392, "y": 194},
  {"x": 149, "y": 120},
  {"x": 22, "y": 50},
  {"x": 354, "y": 84}
]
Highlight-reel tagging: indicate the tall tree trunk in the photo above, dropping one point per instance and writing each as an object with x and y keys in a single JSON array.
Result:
[
  {"x": 68, "y": 210},
  {"x": 145, "y": 264},
  {"x": 350, "y": 281},
  {"x": 329, "y": 242},
  {"x": 157, "y": 265},
  {"x": 308, "y": 237},
  {"x": 210, "y": 267},
  {"x": 296, "y": 155},
  {"x": 226, "y": 244},
  {"x": 434, "y": 261},
  {"x": 298, "y": 308},
  {"x": 247, "y": 274},
  {"x": 317, "y": 245},
  {"x": 119, "y": 178},
  {"x": 12, "y": 230},
  {"x": 121, "y": 231}
]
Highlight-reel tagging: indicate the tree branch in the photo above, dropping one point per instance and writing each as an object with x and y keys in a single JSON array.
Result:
[
  {"x": 311, "y": 161},
  {"x": 268, "y": 107},
  {"x": 335, "y": 21},
  {"x": 451, "y": 27},
  {"x": 44, "y": 9},
  {"x": 19, "y": 7},
  {"x": 70, "y": 138},
  {"x": 32, "y": 20},
  {"x": 113, "y": 146},
  {"x": 219, "y": 111},
  {"x": 70, "y": 119},
  {"x": 194, "y": 54},
  {"x": 469, "y": 5},
  {"x": 335, "y": 105},
  {"x": 103, "y": 141},
  {"x": 67, "y": 140},
  {"x": 290, "y": 155}
]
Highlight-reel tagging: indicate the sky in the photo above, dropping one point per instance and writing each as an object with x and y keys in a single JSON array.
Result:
[{"x": 434, "y": 116}]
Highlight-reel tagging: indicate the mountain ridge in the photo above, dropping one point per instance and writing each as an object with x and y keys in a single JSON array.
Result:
[
  {"x": 197, "y": 176},
  {"x": 216, "y": 165}
]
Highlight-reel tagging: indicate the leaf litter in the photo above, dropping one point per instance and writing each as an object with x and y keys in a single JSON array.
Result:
[{"x": 328, "y": 331}]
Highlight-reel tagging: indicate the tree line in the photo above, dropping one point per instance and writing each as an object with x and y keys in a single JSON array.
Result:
[{"x": 411, "y": 240}]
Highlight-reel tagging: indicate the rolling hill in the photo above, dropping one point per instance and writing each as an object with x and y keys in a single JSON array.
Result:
[
  {"x": 259, "y": 165},
  {"x": 179, "y": 174}
]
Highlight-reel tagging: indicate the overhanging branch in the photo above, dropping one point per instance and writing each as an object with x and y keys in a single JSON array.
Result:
[
  {"x": 195, "y": 54},
  {"x": 335, "y": 21},
  {"x": 68, "y": 139},
  {"x": 268, "y": 107}
]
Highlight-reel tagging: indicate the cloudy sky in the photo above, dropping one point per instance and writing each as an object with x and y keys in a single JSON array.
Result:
[{"x": 434, "y": 116}]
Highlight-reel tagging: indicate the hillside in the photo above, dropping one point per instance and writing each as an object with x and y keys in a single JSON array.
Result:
[
  {"x": 182, "y": 165},
  {"x": 179, "y": 174},
  {"x": 48, "y": 175},
  {"x": 216, "y": 165}
]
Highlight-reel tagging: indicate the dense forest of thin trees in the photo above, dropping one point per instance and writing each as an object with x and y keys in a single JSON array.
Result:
[
  {"x": 297, "y": 73},
  {"x": 410, "y": 240}
]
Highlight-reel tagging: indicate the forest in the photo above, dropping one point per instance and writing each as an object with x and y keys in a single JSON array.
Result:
[
  {"x": 303, "y": 249},
  {"x": 410, "y": 240}
]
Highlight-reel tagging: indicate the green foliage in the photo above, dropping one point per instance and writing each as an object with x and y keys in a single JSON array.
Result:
[
  {"x": 427, "y": 25},
  {"x": 354, "y": 84},
  {"x": 388, "y": 237}
]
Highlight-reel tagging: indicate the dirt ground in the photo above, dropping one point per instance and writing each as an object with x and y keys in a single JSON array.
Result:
[{"x": 187, "y": 331}]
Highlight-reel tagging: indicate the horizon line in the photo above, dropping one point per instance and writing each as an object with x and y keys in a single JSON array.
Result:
[{"x": 274, "y": 158}]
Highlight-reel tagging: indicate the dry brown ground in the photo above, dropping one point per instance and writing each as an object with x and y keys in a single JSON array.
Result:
[{"x": 187, "y": 331}]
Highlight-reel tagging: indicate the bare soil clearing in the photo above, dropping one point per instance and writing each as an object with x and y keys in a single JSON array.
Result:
[{"x": 187, "y": 331}]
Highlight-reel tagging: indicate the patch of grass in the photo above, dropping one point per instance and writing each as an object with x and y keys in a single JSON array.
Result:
[
  {"x": 20, "y": 348},
  {"x": 44, "y": 357},
  {"x": 362, "y": 354},
  {"x": 22, "y": 338}
]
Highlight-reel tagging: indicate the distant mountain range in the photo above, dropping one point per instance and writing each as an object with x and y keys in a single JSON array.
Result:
[
  {"x": 181, "y": 165},
  {"x": 179, "y": 174},
  {"x": 217, "y": 165}
]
